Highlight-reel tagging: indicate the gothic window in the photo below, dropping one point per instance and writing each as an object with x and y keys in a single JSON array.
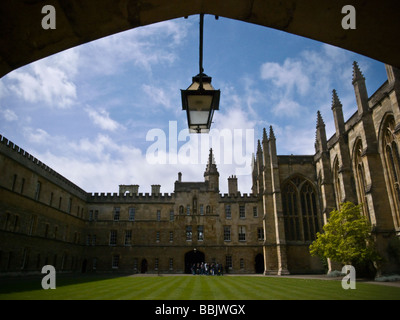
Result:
[
  {"x": 392, "y": 162},
  {"x": 360, "y": 177},
  {"x": 309, "y": 211},
  {"x": 336, "y": 183},
  {"x": 300, "y": 210},
  {"x": 290, "y": 211}
]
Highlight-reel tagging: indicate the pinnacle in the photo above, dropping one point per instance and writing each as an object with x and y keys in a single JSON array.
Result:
[
  {"x": 211, "y": 166},
  {"x": 258, "y": 146},
  {"x": 335, "y": 100},
  {"x": 357, "y": 74},
  {"x": 271, "y": 133},
  {"x": 265, "y": 137},
  {"x": 320, "y": 121}
]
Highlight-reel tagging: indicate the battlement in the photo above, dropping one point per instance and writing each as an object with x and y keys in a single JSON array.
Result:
[
  {"x": 129, "y": 197},
  {"x": 18, "y": 154},
  {"x": 237, "y": 196}
]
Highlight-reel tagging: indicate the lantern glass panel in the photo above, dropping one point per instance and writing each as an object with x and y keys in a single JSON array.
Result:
[{"x": 199, "y": 102}]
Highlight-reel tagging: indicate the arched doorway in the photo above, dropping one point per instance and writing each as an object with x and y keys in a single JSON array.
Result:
[
  {"x": 143, "y": 266},
  {"x": 259, "y": 263},
  {"x": 193, "y": 257}
]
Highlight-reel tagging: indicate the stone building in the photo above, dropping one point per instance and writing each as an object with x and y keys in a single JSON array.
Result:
[{"x": 46, "y": 219}]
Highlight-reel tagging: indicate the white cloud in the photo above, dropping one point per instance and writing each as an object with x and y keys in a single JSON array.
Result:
[
  {"x": 3, "y": 89},
  {"x": 49, "y": 80},
  {"x": 299, "y": 84},
  {"x": 140, "y": 46},
  {"x": 102, "y": 119},
  {"x": 287, "y": 107},
  {"x": 295, "y": 140},
  {"x": 101, "y": 165},
  {"x": 291, "y": 75},
  {"x": 158, "y": 95},
  {"x": 39, "y": 136},
  {"x": 9, "y": 115}
]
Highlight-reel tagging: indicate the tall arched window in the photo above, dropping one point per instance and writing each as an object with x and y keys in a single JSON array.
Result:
[
  {"x": 290, "y": 212},
  {"x": 309, "y": 211},
  {"x": 336, "y": 183},
  {"x": 359, "y": 173},
  {"x": 300, "y": 211},
  {"x": 392, "y": 162}
]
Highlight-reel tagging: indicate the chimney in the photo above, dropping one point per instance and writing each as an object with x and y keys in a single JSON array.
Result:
[
  {"x": 130, "y": 189},
  {"x": 232, "y": 185},
  {"x": 135, "y": 189},
  {"x": 155, "y": 189},
  {"x": 179, "y": 176}
]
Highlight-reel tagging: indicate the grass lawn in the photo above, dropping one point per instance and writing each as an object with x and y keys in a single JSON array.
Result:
[{"x": 190, "y": 288}]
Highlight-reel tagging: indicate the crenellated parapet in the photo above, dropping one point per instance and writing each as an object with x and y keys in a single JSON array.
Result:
[
  {"x": 13, "y": 151},
  {"x": 238, "y": 197},
  {"x": 130, "y": 197}
]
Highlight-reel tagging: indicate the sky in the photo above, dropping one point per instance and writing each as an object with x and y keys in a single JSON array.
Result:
[{"x": 109, "y": 112}]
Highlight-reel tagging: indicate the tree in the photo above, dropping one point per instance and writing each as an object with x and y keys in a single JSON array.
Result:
[{"x": 346, "y": 238}]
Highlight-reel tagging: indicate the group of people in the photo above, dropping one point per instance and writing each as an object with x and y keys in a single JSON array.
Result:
[{"x": 204, "y": 268}]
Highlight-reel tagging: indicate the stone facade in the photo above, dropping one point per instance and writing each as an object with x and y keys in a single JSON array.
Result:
[{"x": 46, "y": 219}]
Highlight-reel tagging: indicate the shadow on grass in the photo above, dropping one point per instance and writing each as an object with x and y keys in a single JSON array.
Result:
[{"x": 14, "y": 284}]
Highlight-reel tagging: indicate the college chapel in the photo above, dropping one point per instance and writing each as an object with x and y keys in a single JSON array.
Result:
[{"x": 47, "y": 219}]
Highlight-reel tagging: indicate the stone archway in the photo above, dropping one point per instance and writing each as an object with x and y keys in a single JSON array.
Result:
[
  {"x": 23, "y": 39},
  {"x": 193, "y": 257}
]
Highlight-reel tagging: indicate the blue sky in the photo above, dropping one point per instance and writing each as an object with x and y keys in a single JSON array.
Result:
[{"x": 109, "y": 112}]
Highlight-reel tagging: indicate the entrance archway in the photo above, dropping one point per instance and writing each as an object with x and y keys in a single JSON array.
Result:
[
  {"x": 259, "y": 263},
  {"x": 193, "y": 257}
]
